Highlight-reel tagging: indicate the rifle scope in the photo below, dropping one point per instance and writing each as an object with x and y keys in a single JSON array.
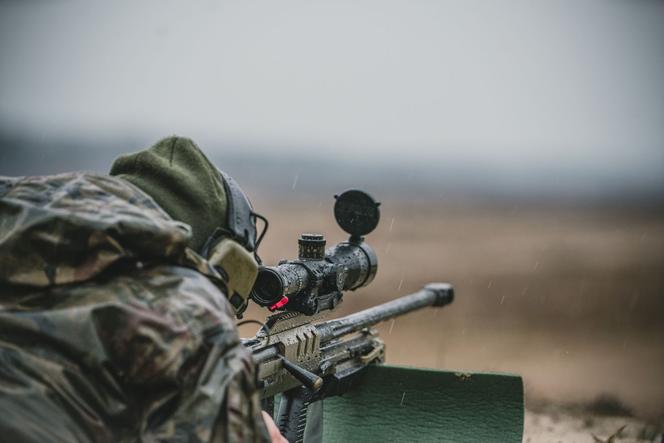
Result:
[{"x": 315, "y": 280}]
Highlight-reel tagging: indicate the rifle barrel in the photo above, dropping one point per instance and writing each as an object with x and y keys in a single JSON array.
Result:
[{"x": 433, "y": 294}]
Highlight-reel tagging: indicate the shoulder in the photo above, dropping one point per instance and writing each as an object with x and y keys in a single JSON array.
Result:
[
  {"x": 70, "y": 227},
  {"x": 146, "y": 322},
  {"x": 171, "y": 297}
]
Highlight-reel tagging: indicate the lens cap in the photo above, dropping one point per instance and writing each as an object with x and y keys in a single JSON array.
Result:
[{"x": 356, "y": 212}]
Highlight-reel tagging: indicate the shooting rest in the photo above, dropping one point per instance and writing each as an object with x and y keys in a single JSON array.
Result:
[{"x": 401, "y": 404}]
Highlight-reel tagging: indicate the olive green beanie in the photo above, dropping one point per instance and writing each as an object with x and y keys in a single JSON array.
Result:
[{"x": 180, "y": 178}]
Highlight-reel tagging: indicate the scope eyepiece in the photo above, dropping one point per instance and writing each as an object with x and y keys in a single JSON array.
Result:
[{"x": 268, "y": 288}]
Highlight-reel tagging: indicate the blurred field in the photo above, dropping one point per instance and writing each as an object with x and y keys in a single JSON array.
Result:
[{"x": 570, "y": 298}]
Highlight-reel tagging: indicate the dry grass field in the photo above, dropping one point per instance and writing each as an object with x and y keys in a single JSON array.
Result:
[{"x": 570, "y": 298}]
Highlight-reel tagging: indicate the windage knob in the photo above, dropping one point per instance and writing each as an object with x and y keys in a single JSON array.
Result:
[{"x": 311, "y": 247}]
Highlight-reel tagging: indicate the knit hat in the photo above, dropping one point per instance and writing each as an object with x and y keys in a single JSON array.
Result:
[{"x": 181, "y": 179}]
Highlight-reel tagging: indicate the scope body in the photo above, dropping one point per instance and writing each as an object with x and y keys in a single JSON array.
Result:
[{"x": 314, "y": 282}]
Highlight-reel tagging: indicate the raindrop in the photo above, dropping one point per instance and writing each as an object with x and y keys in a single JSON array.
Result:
[
  {"x": 490, "y": 284},
  {"x": 400, "y": 284},
  {"x": 391, "y": 326},
  {"x": 391, "y": 225},
  {"x": 536, "y": 266},
  {"x": 634, "y": 300},
  {"x": 502, "y": 299},
  {"x": 402, "y": 398},
  {"x": 297, "y": 177}
]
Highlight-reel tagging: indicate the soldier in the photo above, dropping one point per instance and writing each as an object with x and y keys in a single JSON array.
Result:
[{"x": 118, "y": 296}]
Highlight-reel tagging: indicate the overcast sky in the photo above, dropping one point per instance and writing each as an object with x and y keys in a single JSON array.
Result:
[{"x": 528, "y": 85}]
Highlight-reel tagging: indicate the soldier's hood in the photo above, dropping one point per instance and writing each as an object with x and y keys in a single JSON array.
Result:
[{"x": 71, "y": 227}]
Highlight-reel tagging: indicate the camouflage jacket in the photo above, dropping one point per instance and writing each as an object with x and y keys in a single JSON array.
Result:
[{"x": 111, "y": 330}]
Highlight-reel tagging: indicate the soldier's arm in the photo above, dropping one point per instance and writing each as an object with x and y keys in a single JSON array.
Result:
[{"x": 173, "y": 342}]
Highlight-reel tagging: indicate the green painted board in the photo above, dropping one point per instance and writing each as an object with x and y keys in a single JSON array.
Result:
[{"x": 415, "y": 405}]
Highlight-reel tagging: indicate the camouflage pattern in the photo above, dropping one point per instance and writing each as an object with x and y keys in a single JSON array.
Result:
[{"x": 111, "y": 330}]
